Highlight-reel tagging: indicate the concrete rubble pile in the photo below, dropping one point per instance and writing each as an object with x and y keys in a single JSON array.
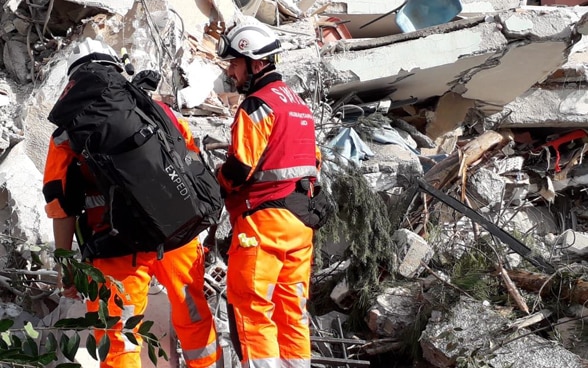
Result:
[{"x": 468, "y": 121}]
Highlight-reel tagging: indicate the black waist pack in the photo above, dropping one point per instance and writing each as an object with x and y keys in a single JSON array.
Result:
[{"x": 313, "y": 211}]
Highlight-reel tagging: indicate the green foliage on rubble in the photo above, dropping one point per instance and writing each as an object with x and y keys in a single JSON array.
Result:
[
  {"x": 32, "y": 346},
  {"x": 471, "y": 273},
  {"x": 361, "y": 223}
]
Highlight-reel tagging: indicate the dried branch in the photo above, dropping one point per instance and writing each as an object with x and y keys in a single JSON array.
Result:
[{"x": 512, "y": 289}]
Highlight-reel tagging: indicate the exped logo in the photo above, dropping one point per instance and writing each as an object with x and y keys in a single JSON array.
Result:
[{"x": 175, "y": 178}]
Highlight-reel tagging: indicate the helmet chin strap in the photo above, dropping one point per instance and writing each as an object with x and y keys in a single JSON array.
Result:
[{"x": 252, "y": 77}]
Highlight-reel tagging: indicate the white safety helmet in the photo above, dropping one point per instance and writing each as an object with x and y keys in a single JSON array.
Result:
[
  {"x": 249, "y": 38},
  {"x": 92, "y": 51}
]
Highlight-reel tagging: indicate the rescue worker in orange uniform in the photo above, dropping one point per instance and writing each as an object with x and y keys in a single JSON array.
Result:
[
  {"x": 272, "y": 153},
  {"x": 67, "y": 181}
]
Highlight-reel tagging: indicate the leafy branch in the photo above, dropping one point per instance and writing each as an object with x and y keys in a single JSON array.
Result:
[{"x": 27, "y": 347}]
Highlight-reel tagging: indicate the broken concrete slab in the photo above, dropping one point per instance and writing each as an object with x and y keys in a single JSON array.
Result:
[
  {"x": 539, "y": 107},
  {"x": 489, "y": 60},
  {"x": 473, "y": 332}
]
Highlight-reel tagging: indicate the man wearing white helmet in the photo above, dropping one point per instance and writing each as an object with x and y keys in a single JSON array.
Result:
[
  {"x": 272, "y": 157},
  {"x": 70, "y": 190}
]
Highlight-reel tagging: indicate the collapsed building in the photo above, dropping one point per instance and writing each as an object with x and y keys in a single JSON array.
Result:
[{"x": 468, "y": 124}]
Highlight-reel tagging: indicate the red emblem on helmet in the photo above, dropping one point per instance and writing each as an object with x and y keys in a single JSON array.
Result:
[{"x": 243, "y": 43}]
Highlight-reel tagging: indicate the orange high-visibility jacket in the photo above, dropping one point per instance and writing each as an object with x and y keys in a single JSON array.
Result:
[{"x": 278, "y": 128}]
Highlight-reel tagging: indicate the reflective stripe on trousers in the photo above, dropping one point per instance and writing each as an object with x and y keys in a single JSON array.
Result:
[
  {"x": 181, "y": 271},
  {"x": 267, "y": 285},
  {"x": 273, "y": 363}
]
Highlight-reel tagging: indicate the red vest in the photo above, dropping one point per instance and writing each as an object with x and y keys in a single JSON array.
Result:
[{"x": 289, "y": 155}]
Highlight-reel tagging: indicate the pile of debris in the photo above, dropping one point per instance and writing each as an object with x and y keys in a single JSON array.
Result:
[{"x": 467, "y": 121}]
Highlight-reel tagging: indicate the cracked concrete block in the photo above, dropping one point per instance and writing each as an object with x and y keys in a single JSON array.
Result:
[
  {"x": 394, "y": 312},
  {"x": 340, "y": 295},
  {"x": 487, "y": 189},
  {"x": 575, "y": 243},
  {"x": 413, "y": 250}
]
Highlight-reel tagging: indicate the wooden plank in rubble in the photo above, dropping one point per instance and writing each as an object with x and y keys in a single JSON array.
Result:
[
  {"x": 575, "y": 291},
  {"x": 445, "y": 172}
]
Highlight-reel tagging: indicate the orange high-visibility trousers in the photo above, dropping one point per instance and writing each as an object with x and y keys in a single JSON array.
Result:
[
  {"x": 181, "y": 271},
  {"x": 268, "y": 279}
]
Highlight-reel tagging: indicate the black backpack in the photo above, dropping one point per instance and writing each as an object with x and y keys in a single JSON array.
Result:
[{"x": 159, "y": 195}]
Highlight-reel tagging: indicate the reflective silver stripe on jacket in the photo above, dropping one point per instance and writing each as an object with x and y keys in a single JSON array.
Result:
[
  {"x": 283, "y": 174},
  {"x": 95, "y": 201},
  {"x": 262, "y": 112}
]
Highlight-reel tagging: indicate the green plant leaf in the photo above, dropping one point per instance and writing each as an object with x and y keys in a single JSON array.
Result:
[
  {"x": 162, "y": 354},
  {"x": 69, "y": 346},
  {"x": 111, "y": 321},
  {"x": 6, "y": 338},
  {"x": 30, "y": 348},
  {"x": 118, "y": 301},
  {"x": 51, "y": 343},
  {"x": 47, "y": 358},
  {"x": 151, "y": 339},
  {"x": 63, "y": 253},
  {"x": 103, "y": 347},
  {"x": 103, "y": 311},
  {"x": 145, "y": 327},
  {"x": 16, "y": 341},
  {"x": 81, "y": 282},
  {"x": 119, "y": 285},
  {"x": 133, "y": 321},
  {"x": 20, "y": 359},
  {"x": 93, "y": 319},
  {"x": 91, "y": 346},
  {"x": 73, "y": 323},
  {"x": 95, "y": 274},
  {"x": 93, "y": 290},
  {"x": 5, "y": 324},
  {"x": 104, "y": 292},
  {"x": 30, "y": 330},
  {"x": 131, "y": 337},
  {"x": 68, "y": 365},
  {"x": 7, "y": 354},
  {"x": 152, "y": 356},
  {"x": 63, "y": 341},
  {"x": 73, "y": 345}
]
